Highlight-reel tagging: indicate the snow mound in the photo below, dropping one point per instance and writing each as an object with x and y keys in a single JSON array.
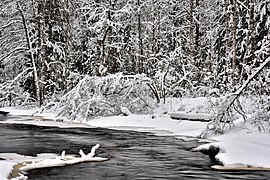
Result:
[
  {"x": 6, "y": 168},
  {"x": 241, "y": 150}
]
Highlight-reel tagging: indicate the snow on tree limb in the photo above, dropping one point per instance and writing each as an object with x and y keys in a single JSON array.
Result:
[
  {"x": 237, "y": 94},
  {"x": 9, "y": 24},
  {"x": 3, "y": 57},
  {"x": 252, "y": 76},
  {"x": 104, "y": 96},
  {"x": 19, "y": 75}
]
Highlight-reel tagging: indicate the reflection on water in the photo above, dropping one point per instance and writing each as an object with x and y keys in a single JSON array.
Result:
[{"x": 132, "y": 155}]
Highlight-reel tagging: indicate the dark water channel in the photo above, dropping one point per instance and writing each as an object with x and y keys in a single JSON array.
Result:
[{"x": 133, "y": 155}]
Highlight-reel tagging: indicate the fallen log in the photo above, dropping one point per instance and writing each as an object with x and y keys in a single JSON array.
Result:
[{"x": 191, "y": 116}]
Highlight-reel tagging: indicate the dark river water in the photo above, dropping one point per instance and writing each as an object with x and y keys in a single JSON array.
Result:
[{"x": 132, "y": 155}]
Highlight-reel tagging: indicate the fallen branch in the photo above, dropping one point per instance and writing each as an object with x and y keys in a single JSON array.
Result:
[
  {"x": 63, "y": 160},
  {"x": 27, "y": 163},
  {"x": 244, "y": 86}
]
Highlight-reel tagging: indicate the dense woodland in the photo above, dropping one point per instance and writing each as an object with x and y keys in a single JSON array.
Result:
[{"x": 177, "y": 48}]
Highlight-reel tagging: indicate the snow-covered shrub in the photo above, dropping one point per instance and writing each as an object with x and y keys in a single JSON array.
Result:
[
  {"x": 5, "y": 95},
  {"x": 259, "y": 106},
  {"x": 12, "y": 94},
  {"x": 261, "y": 116},
  {"x": 184, "y": 105},
  {"x": 104, "y": 96},
  {"x": 225, "y": 109}
]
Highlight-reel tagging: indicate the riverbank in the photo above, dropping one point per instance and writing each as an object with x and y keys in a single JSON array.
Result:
[{"x": 238, "y": 148}]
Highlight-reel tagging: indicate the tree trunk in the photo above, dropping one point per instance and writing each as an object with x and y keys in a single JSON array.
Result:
[
  {"x": 234, "y": 28},
  {"x": 196, "y": 48},
  {"x": 251, "y": 43},
  {"x": 35, "y": 74},
  {"x": 191, "y": 25},
  {"x": 140, "y": 63},
  {"x": 197, "y": 27},
  {"x": 226, "y": 27}
]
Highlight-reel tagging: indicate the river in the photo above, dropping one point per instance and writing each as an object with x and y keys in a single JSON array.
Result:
[{"x": 132, "y": 155}]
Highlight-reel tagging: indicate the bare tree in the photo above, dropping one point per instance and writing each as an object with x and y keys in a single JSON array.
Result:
[
  {"x": 31, "y": 50},
  {"x": 234, "y": 31}
]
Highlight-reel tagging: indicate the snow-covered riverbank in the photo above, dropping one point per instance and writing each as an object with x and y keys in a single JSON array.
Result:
[{"x": 239, "y": 147}]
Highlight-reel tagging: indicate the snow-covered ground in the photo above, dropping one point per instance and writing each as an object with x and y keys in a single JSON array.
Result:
[
  {"x": 6, "y": 167},
  {"x": 239, "y": 147}
]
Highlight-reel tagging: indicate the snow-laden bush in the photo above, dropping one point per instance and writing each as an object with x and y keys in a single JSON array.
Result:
[
  {"x": 12, "y": 94},
  {"x": 258, "y": 92},
  {"x": 104, "y": 96},
  {"x": 225, "y": 109},
  {"x": 261, "y": 116}
]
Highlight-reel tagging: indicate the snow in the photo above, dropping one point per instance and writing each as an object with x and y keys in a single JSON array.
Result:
[
  {"x": 125, "y": 111},
  {"x": 163, "y": 125},
  {"x": 31, "y": 117},
  {"x": 21, "y": 112},
  {"x": 26, "y": 163},
  {"x": 191, "y": 116},
  {"x": 41, "y": 122},
  {"x": 239, "y": 147},
  {"x": 6, "y": 168}
]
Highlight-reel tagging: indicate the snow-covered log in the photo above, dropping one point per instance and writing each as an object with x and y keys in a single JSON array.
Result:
[
  {"x": 15, "y": 163},
  {"x": 191, "y": 116},
  {"x": 62, "y": 160},
  {"x": 125, "y": 111}
]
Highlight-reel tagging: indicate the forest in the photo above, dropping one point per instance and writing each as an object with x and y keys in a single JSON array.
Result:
[{"x": 89, "y": 58}]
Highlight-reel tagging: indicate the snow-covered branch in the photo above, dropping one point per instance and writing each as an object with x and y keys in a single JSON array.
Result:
[
  {"x": 231, "y": 99},
  {"x": 63, "y": 160},
  {"x": 104, "y": 96},
  {"x": 9, "y": 24},
  {"x": 18, "y": 49}
]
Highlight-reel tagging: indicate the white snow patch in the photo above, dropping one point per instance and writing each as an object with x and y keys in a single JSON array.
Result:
[
  {"x": 6, "y": 167},
  {"x": 46, "y": 123},
  {"x": 161, "y": 125},
  {"x": 145, "y": 123},
  {"x": 241, "y": 148},
  {"x": 21, "y": 112},
  {"x": 43, "y": 161},
  {"x": 238, "y": 146}
]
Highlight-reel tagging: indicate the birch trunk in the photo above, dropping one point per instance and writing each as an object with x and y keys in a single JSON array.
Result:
[
  {"x": 140, "y": 63},
  {"x": 191, "y": 26},
  {"x": 36, "y": 80},
  {"x": 251, "y": 44},
  {"x": 234, "y": 28}
]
